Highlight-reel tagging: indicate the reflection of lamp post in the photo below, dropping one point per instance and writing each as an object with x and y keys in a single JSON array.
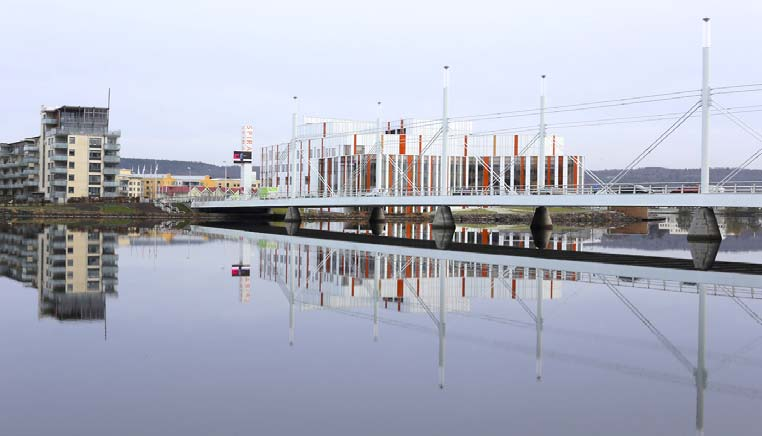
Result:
[
  {"x": 225, "y": 165},
  {"x": 189, "y": 175}
]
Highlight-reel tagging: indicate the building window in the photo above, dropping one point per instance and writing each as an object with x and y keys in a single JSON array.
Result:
[
  {"x": 71, "y": 152},
  {"x": 70, "y": 250},
  {"x": 96, "y": 142},
  {"x": 70, "y": 190},
  {"x": 95, "y": 168},
  {"x": 70, "y": 262},
  {"x": 95, "y": 155},
  {"x": 71, "y": 165},
  {"x": 72, "y": 139},
  {"x": 69, "y": 237},
  {"x": 71, "y": 177}
]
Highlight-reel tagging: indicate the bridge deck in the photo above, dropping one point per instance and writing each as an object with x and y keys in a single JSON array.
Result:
[{"x": 566, "y": 200}]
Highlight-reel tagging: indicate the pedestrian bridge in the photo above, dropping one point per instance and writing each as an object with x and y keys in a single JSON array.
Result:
[{"x": 649, "y": 195}]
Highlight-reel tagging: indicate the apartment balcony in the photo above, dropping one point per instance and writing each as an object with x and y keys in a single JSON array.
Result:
[
  {"x": 112, "y": 171},
  {"x": 60, "y": 145},
  {"x": 65, "y": 130},
  {"x": 109, "y": 259},
  {"x": 59, "y": 182},
  {"x": 48, "y": 121},
  {"x": 114, "y": 134},
  {"x": 60, "y": 158},
  {"x": 30, "y": 159},
  {"x": 31, "y": 148},
  {"x": 31, "y": 183},
  {"x": 59, "y": 170},
  {"x": 111, "y": 159},
  {"x": 111, "y": 147}
]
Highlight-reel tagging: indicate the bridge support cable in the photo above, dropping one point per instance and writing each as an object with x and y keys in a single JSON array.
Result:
[
  {"x": 400, "y": 272},
  {"x": 746, "y": 128},
  {"x": 745, "y": 307},
  {"x": 651, "y": 327},
  {"x": 520, "y": 300},
  {"x": 653, "y": 145}
]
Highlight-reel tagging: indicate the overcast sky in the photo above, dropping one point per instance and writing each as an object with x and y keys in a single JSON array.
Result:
[{"x": 186, "y": 75}]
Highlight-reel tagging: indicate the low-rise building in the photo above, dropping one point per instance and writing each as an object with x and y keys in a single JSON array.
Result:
[{"x": 341, "y": 157}]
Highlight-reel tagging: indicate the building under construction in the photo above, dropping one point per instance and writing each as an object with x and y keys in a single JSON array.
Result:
[{"x": 341, "y": 157}]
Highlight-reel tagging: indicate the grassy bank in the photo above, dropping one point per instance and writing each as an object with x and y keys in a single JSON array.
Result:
[{"x": 89, "y": 210}]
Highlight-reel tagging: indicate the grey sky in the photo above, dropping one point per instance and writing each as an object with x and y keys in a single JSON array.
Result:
[{"x": 186, "y": 75}]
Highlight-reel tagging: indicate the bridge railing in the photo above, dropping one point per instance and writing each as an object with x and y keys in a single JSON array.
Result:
[{"x": 613, "y": 189}]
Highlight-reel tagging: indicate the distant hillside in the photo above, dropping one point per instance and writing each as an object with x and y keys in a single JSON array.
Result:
[
  {"x": 659, "y": 174},
  {"x": 647, "y": 174},
  {"x": 180, "y": 167}
]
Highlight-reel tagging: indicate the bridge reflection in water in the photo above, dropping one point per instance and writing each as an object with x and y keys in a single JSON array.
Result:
[{"x": 359, "y": 277}]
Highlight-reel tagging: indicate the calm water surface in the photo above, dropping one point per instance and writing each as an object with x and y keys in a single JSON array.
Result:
[{"x": 203, "y": 331}]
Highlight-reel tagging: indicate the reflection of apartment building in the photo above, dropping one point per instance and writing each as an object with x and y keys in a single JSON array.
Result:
[
  {"x": 20, "y": 169},
  {"x": 339, "y": 156},
  {"x": 74, "y": 271},
  {"x": 347, "y": 279}
]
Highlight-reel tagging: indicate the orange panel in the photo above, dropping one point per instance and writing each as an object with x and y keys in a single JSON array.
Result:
[
  {"x": 403, "y": 143},
  {"x": 354, "y": 144},
  {"x": 485, "y": 174},
  {"x": 485, "y": 236},
  {"x": 400, "y": 288},
  {"x": 522, "y": 172},
  {"x": 515, "y": 145}
]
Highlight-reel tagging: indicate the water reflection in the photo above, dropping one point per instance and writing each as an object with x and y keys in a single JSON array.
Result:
[
  {"x": 329, "y": 276},
  {"x": 74, "y": 271},
  {"x": 399, "y": 289}
]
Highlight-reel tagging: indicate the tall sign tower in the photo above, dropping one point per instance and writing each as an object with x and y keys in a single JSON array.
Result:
[{"x": 245, "y": 157}]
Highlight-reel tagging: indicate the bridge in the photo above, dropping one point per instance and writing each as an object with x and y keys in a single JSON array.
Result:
[{"x": 445, "y": 162}]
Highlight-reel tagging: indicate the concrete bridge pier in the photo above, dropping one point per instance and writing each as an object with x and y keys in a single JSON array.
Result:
[
  {"x": 377, "y": 215},
  {"x": 442, "y": 237},
  {"x": 704, "y": 226},
  {"x": 541, "y": 219},
  {"x": 541, "y": 237},
  {"x": 292, "y": 215},
  {"x": 443, "y": 218}
]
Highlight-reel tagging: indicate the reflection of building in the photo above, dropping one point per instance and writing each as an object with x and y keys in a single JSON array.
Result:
[
  {"x": 346, "y": 279},
  {"x": 74, "y": 271},
  {"x": 485, "y": 236},
  {"x": 674, "y": 225},
  {"x": 339, "y": 157}
]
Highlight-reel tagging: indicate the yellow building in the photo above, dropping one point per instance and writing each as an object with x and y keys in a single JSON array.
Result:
[{"x": 152, "y": 186}]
